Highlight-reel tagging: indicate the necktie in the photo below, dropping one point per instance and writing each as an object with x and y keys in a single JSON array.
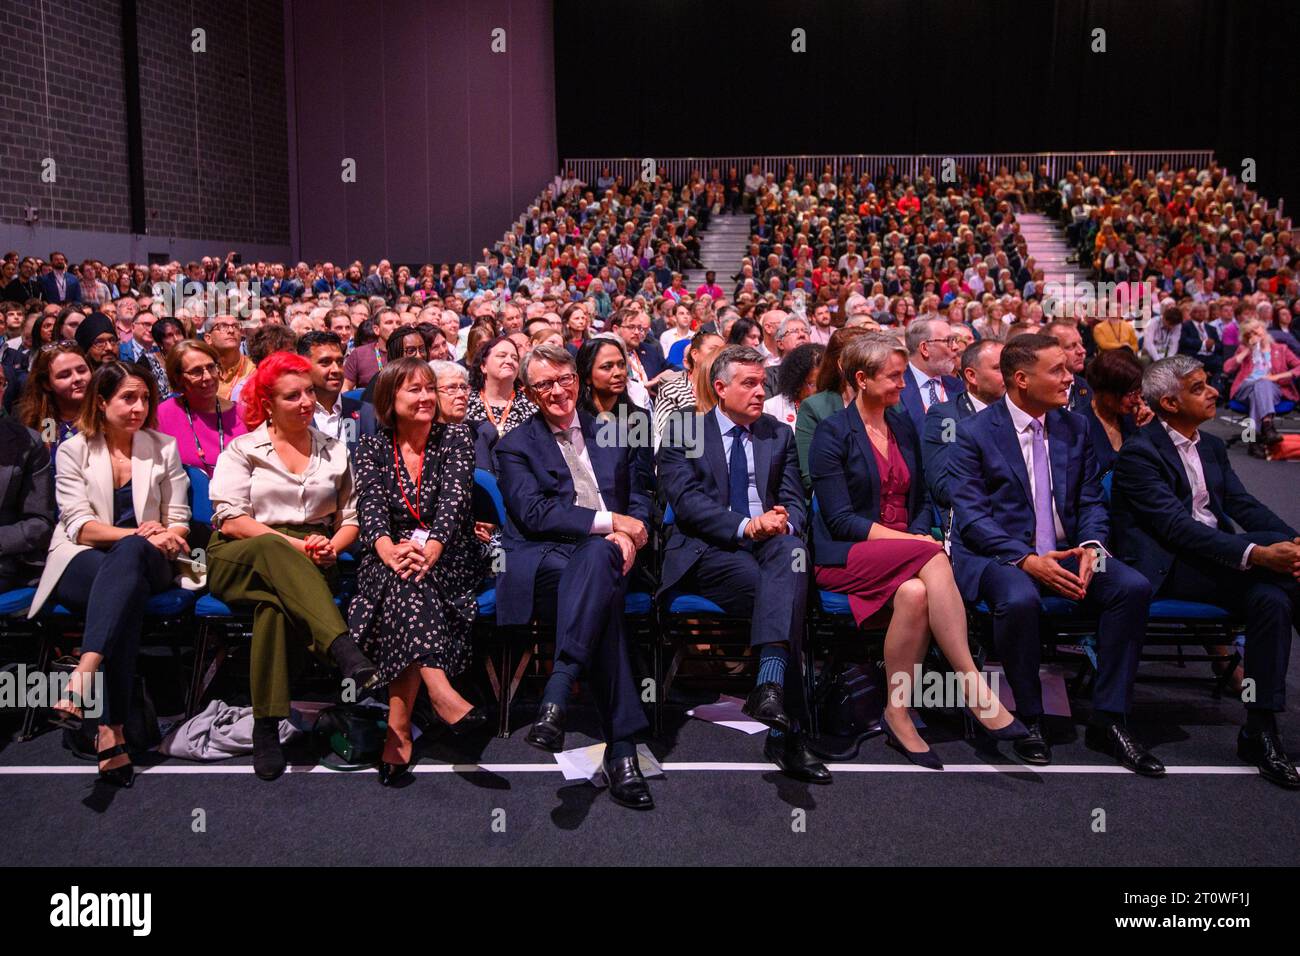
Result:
[
  {"x": 1044, "y": 525},
  {"x": 584, "y": 482},
  {"x": 933, "y": 386},
  {"x": 738, "y": 472}
]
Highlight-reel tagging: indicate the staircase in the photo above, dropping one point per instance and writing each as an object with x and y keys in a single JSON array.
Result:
[
  {"x": 722, "y": 246},
  {"x": 1046, "y": 241}
]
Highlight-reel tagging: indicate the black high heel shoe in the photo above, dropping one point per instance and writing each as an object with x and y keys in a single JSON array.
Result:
[
  {"x": 922, "y": 758},
  {"x": 123, "y": 776},
  {"x": 394, "y": 774},
  {"x": 474, "y": 720},
  {"x": 1012, "y": 731}
]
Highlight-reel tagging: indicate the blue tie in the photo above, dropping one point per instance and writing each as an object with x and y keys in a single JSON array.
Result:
[{"x": 738, "y": 469}]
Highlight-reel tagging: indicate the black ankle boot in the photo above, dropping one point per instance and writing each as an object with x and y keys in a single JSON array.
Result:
[
  {"x": 354, "y": 665},
  {"x": 268, "y": 757}
]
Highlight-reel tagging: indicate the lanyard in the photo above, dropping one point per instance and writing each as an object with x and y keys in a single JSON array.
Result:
[
  {"x": 198, "y": 446},
  {"x": 505, "y": 412},
  {"x": 379, "y": 359},
  {"x": 419, "y": 479}
]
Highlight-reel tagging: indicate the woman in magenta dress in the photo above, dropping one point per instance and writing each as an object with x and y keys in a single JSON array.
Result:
[
  {"x": 197, "y": 417},
  {"x": 871, "y": 540}
]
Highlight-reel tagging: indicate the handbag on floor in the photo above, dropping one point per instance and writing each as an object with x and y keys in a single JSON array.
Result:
[
  {"x": 349, "y": 737},
  {"x": 850, "y": 703}
]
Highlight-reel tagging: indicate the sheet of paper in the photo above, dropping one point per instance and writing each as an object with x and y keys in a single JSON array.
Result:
[
  {"x": 584, "y": 763},
  {"x": 726, "y": 712}
]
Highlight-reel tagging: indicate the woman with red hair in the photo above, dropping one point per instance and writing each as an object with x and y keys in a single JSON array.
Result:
[{"x": 283, "y": 510}]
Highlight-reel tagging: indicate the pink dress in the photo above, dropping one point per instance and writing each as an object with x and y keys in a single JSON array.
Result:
[
  {"x": 875, "y": 569},
  {"x": 199, "y": 444}
]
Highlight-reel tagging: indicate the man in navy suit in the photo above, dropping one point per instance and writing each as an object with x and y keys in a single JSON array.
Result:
[
  {"x": 1029, "y": 520},
  {"x": 982, "y": 375},
  {"x": 646, "y": 362},
  {"x": 1200, "y": 340},
  {"x": 577, "y": 517},
  {"x": 739, "y": 514},
  {"x": 932, "y": 356},
  {"x": 1067, "y": 335},
  {"x": 1174, "y": 502},
  {"x": 60, "y": 286}
]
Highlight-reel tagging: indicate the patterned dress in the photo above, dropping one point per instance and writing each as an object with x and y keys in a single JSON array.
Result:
[
  {"x": 395, "y": 622},
  {"x": 521, "y": 409}
]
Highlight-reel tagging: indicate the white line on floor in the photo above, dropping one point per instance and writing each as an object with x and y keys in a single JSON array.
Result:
[{"x": 246, "y": 769}]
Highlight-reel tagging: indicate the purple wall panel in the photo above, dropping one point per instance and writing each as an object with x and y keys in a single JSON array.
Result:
[{"x": 451, "y": 140}]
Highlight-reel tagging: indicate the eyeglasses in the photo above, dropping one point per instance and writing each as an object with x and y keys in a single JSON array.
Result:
[
  {"x": 201, "y": 372},
  {"x": 564, "y": 381},
  {"x": 61, "y": 344},
  {"x": 460, "y": 388},
  {"x": 411, "y": 351},
  {"x": 225, "y": 327},
  {"x": 951, "y": 341}
]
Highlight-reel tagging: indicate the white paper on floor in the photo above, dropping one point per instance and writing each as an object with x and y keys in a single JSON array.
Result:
[
  {"x": 584, "y": 763},
  {"x": 726, "y": 712},
  {"x": 1056, "y": 699}
]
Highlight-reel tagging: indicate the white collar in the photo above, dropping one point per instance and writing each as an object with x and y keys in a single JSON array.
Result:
[
  {"x": 1020, "y": 418},
  {"x": 921, "y": 377},
  {"x": 975, "y": 403},
  {"x": 1178, "y": 438}
]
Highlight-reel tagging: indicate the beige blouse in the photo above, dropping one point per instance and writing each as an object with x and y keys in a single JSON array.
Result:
[{"x": 250, "y": 479}]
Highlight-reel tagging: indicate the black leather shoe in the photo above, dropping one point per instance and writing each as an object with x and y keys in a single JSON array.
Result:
[
  {"x": 354, "y": 665},
  {"x": 922, "y": 758},
  {"x": 268, "y": 756},
  {"x": 1117, "y": 742},
  {"x": 394, "y": 774},
  {"x": 1033, "y": 747},
  {"x": 792, "y": 757},
  {"x": 626, "y": 785},
  {"x": 123, "y": 776},
  {"x": 1265, "y": 751},
  {"x": 474, "y": 720},
  {"x": 547, "y": 732},
  {"x": 766, "y": 704}
]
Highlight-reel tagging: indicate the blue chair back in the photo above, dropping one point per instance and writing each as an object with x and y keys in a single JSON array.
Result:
[
  {"x": 669, "y": 519},
  {"x": 1105, "y": 485},
  {"x": 200, "y": 503},
  {"x": 677, "y": 354},
  {"x": 487, "y": 498},
  {"x": 355, "y": 394}
]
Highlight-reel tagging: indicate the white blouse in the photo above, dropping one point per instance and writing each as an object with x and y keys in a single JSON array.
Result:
[{"x": 250, "y": 479}]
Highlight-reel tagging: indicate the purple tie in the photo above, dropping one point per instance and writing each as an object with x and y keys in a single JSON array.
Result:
[{"x": 1044, "y": 526}]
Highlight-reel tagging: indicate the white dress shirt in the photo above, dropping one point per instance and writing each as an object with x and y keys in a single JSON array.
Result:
[
  {"x": 603, "y": 523},
  {"x": 1020, "y": 421},
  {"x": 921, "y": 378},
  {"x": 975, "y": 403},
  {"x": 1190, "y": 455},
  {"x": 725, "y": 425},
  {"x": 330, "y": 420}
]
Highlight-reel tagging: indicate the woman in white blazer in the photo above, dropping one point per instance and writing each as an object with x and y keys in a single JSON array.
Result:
[{"x": 123, "y": 519}]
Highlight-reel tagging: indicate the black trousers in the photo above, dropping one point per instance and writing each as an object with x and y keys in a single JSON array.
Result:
[
  {"x": 108, "y": 589},
  {"x": 581, "y": 589},
  {"x": 1270, "y": 604},
  {"x": 767, "y": 582}
]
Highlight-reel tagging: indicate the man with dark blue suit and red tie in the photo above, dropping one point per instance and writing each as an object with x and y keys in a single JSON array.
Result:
[
  {"x": 931, "y": 359},
  {"x": 739, "y": 515},
  {"x": 1029, "y": 520},
  {"x": 577, "y": 517},
  {"x": 1175, "y": 501}
]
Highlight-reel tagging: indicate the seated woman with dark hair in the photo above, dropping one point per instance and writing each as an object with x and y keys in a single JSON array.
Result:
[
  {"x": 415, "y": 607},
  {"x": 745, "y": 332},
  {"x": 283, "y": 509},
  {"x": 1117, "y": 407},
  {"x": 871, "y": 542},
  {"x": 602, "y": 392},
  {"x": 123, "y": 519},
  {"x": 54, "y": 393},
  {"x": 494, "y": 394},
  {"x": 26, "y": 502},
  {"x": 834, "y": 391},
  {"x": 796, "y": 379}
]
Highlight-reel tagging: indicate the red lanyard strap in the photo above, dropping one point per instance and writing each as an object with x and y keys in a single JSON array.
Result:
[{"x": 419, "y": 479}]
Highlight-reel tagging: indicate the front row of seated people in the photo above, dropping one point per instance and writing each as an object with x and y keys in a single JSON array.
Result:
[{"x": 1013, "y": 475}]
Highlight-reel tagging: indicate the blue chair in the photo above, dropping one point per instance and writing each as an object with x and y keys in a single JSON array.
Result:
[
  {"x": 354, "y": 394},
  {"x": 14, "y": 626},
  {"x": 677, "y": 354},
  {"x": 1284, "y": 406}
]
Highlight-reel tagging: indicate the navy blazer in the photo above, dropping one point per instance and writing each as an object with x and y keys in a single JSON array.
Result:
[
  {"x": 1080, "y": 397},
  {"x": 1189, "y": 341},
  {"x": 993, "y": 513},
  {"x": 540, "y": 504},
  {"x": 911, "y": 397},
  {"x": 698, "y": 488},
  {"x": 50, "y": 289},
  {"x": 652, "y": 358},
  {"x": 937, "y": 439},
  {"x": 847, "y": 483},
  {"x": 1151, "y": 504}
]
